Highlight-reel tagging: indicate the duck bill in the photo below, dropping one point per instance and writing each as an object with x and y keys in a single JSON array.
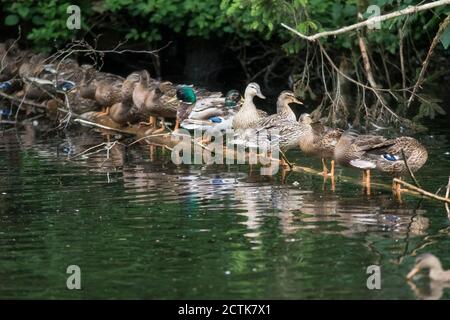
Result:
[
  {"x": 412, "y": 273},
  {"x": 296, "y": 101},
  {"x": 260, "y": 95}
]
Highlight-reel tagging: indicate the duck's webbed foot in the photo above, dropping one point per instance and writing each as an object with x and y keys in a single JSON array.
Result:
[{"x": 161, "y": 129}]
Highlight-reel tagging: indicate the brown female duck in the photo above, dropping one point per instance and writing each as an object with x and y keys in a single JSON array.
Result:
[
  {"x": 284, "y": 111},
  {"x": 104, "y": 88},
  {"x": 319, "y": 141},
  {"x": 249, "y": 114},
  {"x": 391, "y": 156},
  {"x": 123, "y": 112},
  {"x": 432, "y": 263},
  {"x": 155, "y": 99}
]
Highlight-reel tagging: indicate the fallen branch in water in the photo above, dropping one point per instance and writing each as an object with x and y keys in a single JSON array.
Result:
[
  {"x": 94, "y": 124},
  {"x": 421, "y": 191},
  {"x": 20, "y": 100},
  {"x": 371, "y": 21}
]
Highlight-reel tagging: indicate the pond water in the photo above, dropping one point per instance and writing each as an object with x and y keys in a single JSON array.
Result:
[{"x": 139, "y": 226}]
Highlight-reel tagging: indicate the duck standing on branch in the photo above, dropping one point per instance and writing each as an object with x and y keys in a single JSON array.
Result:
[
  {"x": 284, "y": 121},
  {"x": 319, "y": 141},
  {"x": 284, "y": 135},
  {"x": 123, "y": 112},
  {"x": 395, "y": 157},
  {"x": 155, "y": 99}
]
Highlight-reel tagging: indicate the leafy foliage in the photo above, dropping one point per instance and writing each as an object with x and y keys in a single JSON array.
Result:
[{"x": 244, "y": 19}]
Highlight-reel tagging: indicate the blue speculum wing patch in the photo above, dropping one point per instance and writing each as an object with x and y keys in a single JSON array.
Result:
[
  {"x": 215, "y": 119},
  {"x": 5, "y": 85},
  {"x": 390, "y": 157}
]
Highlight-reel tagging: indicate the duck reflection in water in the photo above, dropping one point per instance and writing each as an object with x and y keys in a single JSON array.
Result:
[{"x": 259, "y": 200}]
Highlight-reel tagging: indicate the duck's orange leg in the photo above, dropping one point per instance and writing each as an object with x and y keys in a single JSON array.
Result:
[
  {"x": 177, "y": 125},
  {"x": 161, "y": 129},
  {"x": 368, "y": 182},
  {"x": 397, "y": 189},
  {"x": 104, "y": 112},
  {"x": 332, "y": 169},
  {"x": 325, "y": 169},
  {"x": 151, "y": 122}
]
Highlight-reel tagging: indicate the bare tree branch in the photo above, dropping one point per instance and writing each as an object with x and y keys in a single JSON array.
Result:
[
  {"x": 425, "y": 63},
  {"x": 371, "y": 21}
]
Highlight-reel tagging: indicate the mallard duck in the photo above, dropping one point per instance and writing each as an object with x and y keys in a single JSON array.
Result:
[
  {"x": 282, "y": 135},
  {"x": 33, "y": 66},
  {"x": 122, "y": 112},
  {"x": 284, "y": 114},
  {"x": 249, "y": 114},
  {"x": 368, "y": 152},
  {"x": 10, "y": 85},
  {"x": 284, "y": 111},
  {"x": 11, "y": 58},
  {"x": 105, "y": 88},
  {"x": 319, "y": 141},
  {"x": 155, "y": 99},
  {"x": 211, "y": 112},
  {"x": 431, "y": 262},
  {"x": 108, "y": 90}
]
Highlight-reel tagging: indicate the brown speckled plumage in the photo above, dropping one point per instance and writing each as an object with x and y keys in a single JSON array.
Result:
[
  {"x": 386, "y": 155},
  {"x": 320, "y": 140}
]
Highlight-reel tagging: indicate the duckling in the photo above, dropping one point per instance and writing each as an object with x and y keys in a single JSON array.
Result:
[
  {"x": 431, "y": 262},
  {"x": 319, "y": 141},
  {"x": 249, "y": 114},
  {"x": 390, "y": 156}
]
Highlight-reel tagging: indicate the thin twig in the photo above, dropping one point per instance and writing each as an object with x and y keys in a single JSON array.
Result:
[
  {"x": 421, "y": 191},
  {"x": 411, "y": 174},
  {"x": 425, "y": 63}
]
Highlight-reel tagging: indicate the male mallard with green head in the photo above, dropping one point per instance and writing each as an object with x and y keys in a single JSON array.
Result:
[{"x": 211, "y": 112}]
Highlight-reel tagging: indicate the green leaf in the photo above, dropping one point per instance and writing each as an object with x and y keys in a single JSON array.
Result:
[
  {"x": 445, "y": 37},
  {"x": 23, "y": 11},
  {"x": 11, "y": 20}
]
